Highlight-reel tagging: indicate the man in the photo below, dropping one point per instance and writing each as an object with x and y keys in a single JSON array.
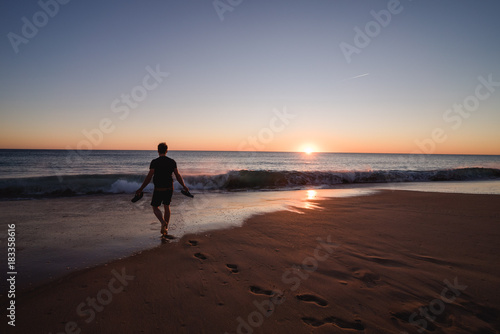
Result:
[{"x": 162, "y": 168}]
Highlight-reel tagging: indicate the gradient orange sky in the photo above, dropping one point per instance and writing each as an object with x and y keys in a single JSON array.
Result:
[
  {"x": 289, "y": 140},
  {"x": 228, "y": 78}
]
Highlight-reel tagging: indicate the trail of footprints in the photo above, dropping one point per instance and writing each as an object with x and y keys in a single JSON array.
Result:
[
  {"x": 198, "y": 255},
  {"x": 357, "y": 324},
  {"x": 308, "y": 298},
  {"x": 233, "y": 268}
]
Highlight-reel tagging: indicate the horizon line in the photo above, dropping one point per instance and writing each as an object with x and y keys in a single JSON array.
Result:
[{"x": 316, "y": 152}]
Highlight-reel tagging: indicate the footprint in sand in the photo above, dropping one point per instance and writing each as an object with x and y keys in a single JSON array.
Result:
[
  {"x": 313, "y": 299},
  {"x": 259, "y": 291},
  {"x": 369, "y": 278},
  {"x": 313, "y": 321},
  {"x": 193, "y": 242},
  {"x": 233, "y": 267},
  {"x": 357, "y": 324},
  {"x": 200, "y": 256}
]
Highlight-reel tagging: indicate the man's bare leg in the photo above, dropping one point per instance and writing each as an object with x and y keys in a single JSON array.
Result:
[
  {"x": 159, "y": 215},
  {"x": 166, "y": 217}
]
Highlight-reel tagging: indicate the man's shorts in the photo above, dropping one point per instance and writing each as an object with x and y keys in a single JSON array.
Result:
[{"x": 161, "y": 196}]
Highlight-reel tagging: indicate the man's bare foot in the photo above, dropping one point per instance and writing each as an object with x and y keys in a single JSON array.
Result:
[{"x": 164, "y": 229}]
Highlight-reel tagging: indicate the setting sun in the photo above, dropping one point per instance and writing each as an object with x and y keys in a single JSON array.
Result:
[{"x": 308, "y": 150}]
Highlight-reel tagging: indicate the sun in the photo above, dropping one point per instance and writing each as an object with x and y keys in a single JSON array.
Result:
[{"x": 308, "y": 150}]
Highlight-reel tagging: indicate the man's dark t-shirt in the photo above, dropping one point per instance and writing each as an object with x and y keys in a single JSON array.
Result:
[{"x": 164, "y": 167}]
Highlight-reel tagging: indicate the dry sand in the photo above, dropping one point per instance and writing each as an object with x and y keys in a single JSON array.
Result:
[{"x": 385, "y": 263}]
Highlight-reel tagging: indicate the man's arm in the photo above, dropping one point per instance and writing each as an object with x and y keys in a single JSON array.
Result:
[
  {"x": 180, "y": 180},
  {"x": 146, "y": 181}
]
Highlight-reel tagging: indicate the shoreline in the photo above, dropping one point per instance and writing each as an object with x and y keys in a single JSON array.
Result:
[
  {"x": 127, "y": 229},
  {"x": 365, "y": 276},
  {"x": 62, "y": 235}
]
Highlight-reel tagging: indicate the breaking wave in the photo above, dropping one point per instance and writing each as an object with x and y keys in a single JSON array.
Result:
[{"x": 55, "y": 186}]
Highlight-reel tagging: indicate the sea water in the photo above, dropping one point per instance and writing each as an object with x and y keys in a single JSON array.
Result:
[{"x": 48, "y": 173}]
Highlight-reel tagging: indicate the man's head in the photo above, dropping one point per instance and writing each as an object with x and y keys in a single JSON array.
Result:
[{"x": 162, "y": 148}]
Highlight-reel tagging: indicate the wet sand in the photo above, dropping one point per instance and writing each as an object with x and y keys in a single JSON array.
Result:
[
  {"x": 384, "y": 263},
  {"x": 56, "y": 236}
]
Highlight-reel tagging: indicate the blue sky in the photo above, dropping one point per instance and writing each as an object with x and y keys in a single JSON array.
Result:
[{"x": 227, "y": 76}]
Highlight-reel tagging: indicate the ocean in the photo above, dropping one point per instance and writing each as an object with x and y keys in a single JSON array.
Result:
[
  {"x": 72, "y": 210},
  {"x": 28, "y": 174}
]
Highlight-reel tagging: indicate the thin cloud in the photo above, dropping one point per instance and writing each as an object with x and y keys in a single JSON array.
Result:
[{"x": 357, "y": 76}]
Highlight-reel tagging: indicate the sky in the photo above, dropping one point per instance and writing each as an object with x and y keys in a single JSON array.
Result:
[{"x": 266, "y": 75}]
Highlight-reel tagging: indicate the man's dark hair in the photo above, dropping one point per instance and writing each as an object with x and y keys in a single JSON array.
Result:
[{"x": 162, "y": 148}]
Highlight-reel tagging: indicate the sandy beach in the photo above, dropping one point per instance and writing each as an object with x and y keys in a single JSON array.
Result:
[{"x": 391, "y": 262}]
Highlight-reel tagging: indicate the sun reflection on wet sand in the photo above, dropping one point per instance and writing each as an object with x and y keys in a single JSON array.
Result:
[{"x": 311, "y": 194}]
